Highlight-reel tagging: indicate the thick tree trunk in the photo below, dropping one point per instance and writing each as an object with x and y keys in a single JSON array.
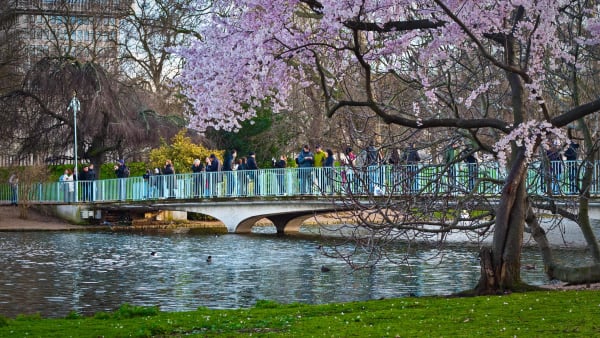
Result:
[{"x": 501, "y": 266}]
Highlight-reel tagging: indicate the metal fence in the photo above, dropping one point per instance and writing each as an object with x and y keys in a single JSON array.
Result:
[{"x": 559, "y": 178}]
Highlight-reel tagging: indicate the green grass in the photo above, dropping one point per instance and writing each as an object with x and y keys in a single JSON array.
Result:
[{"x": 532, "y": 314}]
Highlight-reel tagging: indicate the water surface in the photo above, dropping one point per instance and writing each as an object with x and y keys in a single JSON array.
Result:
[{"x": 52, "y": 273}]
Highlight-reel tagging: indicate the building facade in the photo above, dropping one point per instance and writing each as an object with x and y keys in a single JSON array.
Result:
[{"x": 84, "y": 29}]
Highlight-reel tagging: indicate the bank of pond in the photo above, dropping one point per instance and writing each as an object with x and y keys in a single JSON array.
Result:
[{"x": 531, "y": 314}]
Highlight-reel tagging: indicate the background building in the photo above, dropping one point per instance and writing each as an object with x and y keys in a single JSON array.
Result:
[
  {"x": 84, "y": 29},
  {"x": 87, "y": 30}
]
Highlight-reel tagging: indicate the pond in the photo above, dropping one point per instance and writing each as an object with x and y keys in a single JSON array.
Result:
[{"x": 53, "y": 273}]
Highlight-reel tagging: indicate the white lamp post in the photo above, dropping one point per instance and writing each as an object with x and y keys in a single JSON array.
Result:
[{"x": 75, "y": 105}]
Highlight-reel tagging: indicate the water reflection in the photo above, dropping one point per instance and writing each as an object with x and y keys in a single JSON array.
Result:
[{"x": 52, "y": 273}]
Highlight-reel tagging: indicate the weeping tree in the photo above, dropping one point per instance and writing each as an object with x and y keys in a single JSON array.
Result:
[
  {"x": 114, "y": 119},
  {"x": 472, "y": 73}
]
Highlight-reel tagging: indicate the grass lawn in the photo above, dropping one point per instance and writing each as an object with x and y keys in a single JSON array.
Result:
[{"x": 530, "y": 314}]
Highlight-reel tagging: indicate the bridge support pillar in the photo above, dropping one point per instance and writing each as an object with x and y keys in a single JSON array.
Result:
[{"x": 289, "y": 223}]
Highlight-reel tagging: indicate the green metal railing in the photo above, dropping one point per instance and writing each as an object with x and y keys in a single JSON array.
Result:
[{"x": 559, "y": 178}]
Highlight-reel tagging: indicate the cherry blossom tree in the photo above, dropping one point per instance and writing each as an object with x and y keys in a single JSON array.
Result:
[{"x": 477, "y": 68}]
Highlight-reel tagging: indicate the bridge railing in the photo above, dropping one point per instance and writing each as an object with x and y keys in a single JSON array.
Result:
[{"x": 461, "y": 178}]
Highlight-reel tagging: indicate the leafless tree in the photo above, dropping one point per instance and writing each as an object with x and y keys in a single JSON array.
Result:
[{"x": 114, "y": 119}]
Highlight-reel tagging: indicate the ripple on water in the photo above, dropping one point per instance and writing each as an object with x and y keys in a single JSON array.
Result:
[{"x": 92, "y": 272}]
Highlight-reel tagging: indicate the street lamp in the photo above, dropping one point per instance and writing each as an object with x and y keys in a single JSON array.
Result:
[{"x": 75, "y": 105}]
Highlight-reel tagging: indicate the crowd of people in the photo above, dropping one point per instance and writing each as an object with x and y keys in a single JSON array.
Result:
[
  {"x": 68, "y": 178},
  {"x": 239, "y": 176},
  {"x": 315, "y": 173}
]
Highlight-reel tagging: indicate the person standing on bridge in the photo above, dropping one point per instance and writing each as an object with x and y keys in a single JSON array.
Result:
[
  {"x": 92, "y": 178},
  {"x": 319, "y": 162},
  {"x": 169, "y": 172},
  {"x": 197, "y": 173},
  {"x": 242, "y": 176},
  {"x": 554, "y": 169},
  {"x": 147, "y": 185},
  {"x": 228, "y": 167},
  {"x": 68, "y": 186},
  {"x": 86, "y": 183},
  {"x": 571, "y": 157},
  {"x": 305, "y": 162},
  {"x": 213, "y": 168},
  {"x": 122, "y": 173},
  {"x": 472, "y": 167},
  {"x": 280, "y": 170},
  {"x": 374, "y": 169},
  {"x": 252, "y": 166},
  {"x": 411, "y": 158},
  {"x": 348, "y": 179},
  {"x": 156, "y": 183},
  {"x": 13, "y": 181}
]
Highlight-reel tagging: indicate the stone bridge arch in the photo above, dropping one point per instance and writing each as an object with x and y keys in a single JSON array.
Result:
[{"x": 241, "y": 215}]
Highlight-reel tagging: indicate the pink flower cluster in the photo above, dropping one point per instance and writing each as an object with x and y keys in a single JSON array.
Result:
[
  {"x": 527, "y": 135},
  {"x": 253, "y": 51}
]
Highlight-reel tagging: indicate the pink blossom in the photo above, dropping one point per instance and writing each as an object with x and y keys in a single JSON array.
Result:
[{"x": 253, "y": 50}]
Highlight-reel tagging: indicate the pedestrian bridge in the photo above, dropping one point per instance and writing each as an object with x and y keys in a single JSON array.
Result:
[
  {"x": 240, "y": 215},
  {"x": 286, "y": 196}
]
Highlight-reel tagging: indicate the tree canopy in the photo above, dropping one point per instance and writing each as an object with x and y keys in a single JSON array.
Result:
[
  {"x": 484, "y": 71},
  {"x": 259, "y": 49}
]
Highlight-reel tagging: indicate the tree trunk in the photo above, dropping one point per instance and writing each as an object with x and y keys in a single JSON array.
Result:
[
  {"x": 583, "y": 217},
  {"x": 501, "y": 265},
  {"x": 570, "y": 274}
]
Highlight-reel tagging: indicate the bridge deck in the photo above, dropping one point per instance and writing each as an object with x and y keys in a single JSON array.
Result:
[{"x": 238, "y": 197}]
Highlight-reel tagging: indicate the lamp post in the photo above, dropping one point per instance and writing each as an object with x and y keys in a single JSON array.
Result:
[{"x": 75, "y": 105}]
